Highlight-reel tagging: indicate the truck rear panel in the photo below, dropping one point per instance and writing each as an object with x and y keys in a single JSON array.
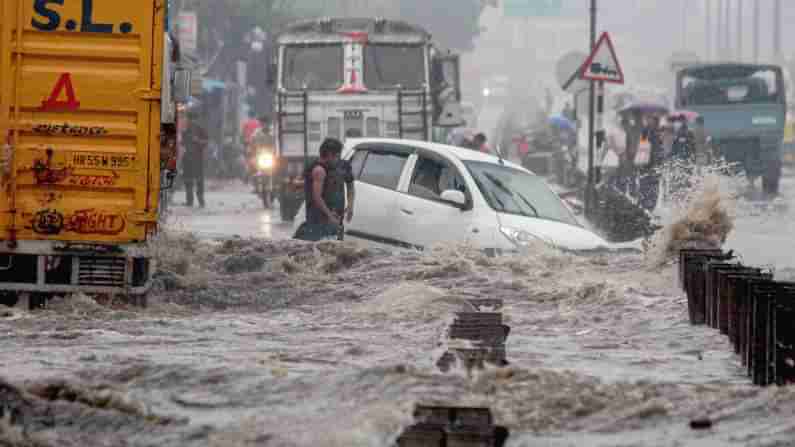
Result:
[{"x": 80, "y": 108}]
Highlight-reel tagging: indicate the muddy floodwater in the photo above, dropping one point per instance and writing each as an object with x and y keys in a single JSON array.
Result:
[{"x": 279, "y": 343}]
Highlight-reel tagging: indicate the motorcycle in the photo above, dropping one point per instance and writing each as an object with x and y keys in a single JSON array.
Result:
[{"x": 262, "y": 166}]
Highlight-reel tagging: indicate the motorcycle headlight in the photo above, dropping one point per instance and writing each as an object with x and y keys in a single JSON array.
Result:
[
  {"x": 265, "y": 161},
  {"x": 522, "y": 238}
]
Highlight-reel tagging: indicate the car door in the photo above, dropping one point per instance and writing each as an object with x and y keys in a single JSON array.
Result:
[
  {"x": 423, "y": 218},
  {"x": 378, "y": 170}
]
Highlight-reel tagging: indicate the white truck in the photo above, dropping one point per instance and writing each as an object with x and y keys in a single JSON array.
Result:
[{"x": 355, "y": 78}]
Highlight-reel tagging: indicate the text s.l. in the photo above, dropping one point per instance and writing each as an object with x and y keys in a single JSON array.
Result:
[{"x": 47, "y": 17}]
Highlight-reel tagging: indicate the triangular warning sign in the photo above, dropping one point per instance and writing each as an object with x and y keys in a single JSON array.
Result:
[
  {"x": 602, "y": 64},
  {"x": 64, "y": 84}
]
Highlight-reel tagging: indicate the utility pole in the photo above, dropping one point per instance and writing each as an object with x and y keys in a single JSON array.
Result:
[
  {"x": 727, "y": 42},
  {"x": 739, "y": 49},
  {"x": 590, "y": 189},
  {"x": 719, "y": 52},
  {"x": 708, "y": 28},
  {"x": 756, "y": 31},
  {"x": 777, "y": 32},
  {"x": 684, "y": 24}
]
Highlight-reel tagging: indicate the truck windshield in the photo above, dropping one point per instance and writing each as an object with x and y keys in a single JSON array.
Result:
[
  {"x": 314, "y": 67},
  {"x": 511, "y": 191},
  {"x": 387, "y": 66},
  {"x": 708, "y": 86}
]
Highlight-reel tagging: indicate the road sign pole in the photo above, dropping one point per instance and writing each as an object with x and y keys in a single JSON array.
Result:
[
  {"x": 589, "y": 191},
  {"x": 600, "y": 131}
]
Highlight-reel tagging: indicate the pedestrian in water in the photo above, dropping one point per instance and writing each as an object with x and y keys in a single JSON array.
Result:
[
  {"x": 325, "y": 185},
  {"x": 478, "y": 143},
  {"x": 195, "y": 140},
  {"x": 683, "y": 153},
  {"x": 702, "y": 154},
  {"x": 649, "y": 182}
]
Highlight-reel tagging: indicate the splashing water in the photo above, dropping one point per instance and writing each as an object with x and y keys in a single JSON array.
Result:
[{"x": 698, "y": 209}]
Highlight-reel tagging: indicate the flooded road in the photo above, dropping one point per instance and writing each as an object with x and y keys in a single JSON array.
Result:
[
  {"x": 281, "y": 343},
  {"x": 232, "y": 211}
]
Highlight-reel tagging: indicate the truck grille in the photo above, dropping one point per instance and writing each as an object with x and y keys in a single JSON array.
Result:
[{"x": 101, "y": 272}]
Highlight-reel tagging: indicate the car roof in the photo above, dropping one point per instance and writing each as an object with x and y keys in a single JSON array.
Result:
[{"x": 443, "y": 149}]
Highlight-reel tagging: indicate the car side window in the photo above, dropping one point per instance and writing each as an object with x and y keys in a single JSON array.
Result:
[
  {"x": 357, "y": 163},
  {"x": 383, "y": 168},
  {"x": 432, "y": 177}
]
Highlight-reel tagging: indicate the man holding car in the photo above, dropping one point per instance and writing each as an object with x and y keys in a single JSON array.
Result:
[{"x": 325, "y": 185}]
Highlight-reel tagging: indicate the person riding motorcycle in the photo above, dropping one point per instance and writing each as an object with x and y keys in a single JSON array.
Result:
[{"x": 262, "y": 162}]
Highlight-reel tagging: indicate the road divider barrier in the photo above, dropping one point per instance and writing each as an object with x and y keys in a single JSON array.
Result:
[
  {"x": 756, "y": 312},
  {"x": 475, "y": 339}
]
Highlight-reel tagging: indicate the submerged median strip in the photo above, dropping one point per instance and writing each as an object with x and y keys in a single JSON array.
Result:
[{"x": 475, "y": 339}]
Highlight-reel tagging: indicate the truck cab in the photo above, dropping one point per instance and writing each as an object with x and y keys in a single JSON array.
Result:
[
  {"x": 345, "y": 78},
  {"x": 745, "y": 111}
]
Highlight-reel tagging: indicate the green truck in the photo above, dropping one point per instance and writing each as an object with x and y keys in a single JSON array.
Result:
[{"x": 744, "y": 108}]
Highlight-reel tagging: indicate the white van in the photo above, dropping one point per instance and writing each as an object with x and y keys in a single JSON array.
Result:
[{"x": 415, "y": 194}]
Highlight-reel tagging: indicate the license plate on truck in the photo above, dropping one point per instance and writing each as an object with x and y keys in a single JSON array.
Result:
[{"x": 93, "y": 160}]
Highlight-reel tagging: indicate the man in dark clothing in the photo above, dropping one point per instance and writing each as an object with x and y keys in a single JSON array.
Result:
[
  {"x": 477, "y": 143},
  {"x": 649, "y": 182},
  {"x": 683, "y": 153},
  {"x": 325, "y": 185},
  {"x": 195, "y": 141},
  {"x": 684, "y": 147}
]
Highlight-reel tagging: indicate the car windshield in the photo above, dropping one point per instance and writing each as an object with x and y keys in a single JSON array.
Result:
[
  {"x": 390, "y": 66},
  {"x": 315, "y": 67},
  {"x": 512, "y": 191},
  {"x": 730, "y": 85}
]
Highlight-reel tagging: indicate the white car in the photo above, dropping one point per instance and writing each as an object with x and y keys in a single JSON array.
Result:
[{"x": 415, "y": 194}]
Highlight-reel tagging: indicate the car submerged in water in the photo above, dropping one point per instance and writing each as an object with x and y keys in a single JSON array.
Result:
[{"x": 415, "y": 194}]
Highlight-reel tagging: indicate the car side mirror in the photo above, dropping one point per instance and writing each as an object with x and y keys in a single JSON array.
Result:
[
  {"x": 455, "y": 197},
  {"x": 182, "y": 82}
]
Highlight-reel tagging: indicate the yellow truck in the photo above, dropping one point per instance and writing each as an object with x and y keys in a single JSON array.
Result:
[{"x": 88, "y": 95}]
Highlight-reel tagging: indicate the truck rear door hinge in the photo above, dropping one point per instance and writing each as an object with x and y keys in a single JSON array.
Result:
[
  {"x": 149, "y": 94},
  {"x": 142, "y": 217}
]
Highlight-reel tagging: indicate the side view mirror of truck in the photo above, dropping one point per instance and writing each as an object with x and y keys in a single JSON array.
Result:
[
  {"x": 446, "y": 90},
  {"x": 182, "y": 80}
]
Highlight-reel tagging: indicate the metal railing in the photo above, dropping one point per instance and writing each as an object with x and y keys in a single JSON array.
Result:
[{"x": 746, "y": 304}]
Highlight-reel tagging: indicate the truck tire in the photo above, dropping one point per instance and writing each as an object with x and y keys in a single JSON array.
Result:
[
  {"x": 8, "y": 299},
  {"x": 772, "y": 178}
]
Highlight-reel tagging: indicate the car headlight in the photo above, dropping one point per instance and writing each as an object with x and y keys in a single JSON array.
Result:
[
  {"x": 522, "y": 238},
  {"x": 265, "y": 161}
]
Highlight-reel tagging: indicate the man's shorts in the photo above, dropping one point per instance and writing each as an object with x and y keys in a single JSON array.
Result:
[{"x": 316, "y": 232}]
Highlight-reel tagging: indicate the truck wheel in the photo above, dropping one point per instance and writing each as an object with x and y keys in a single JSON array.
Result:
[
  {"x": 772, "y": 178},
  {"x": 39, "y": 300},
  {"x": 8, "y": 299}
]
